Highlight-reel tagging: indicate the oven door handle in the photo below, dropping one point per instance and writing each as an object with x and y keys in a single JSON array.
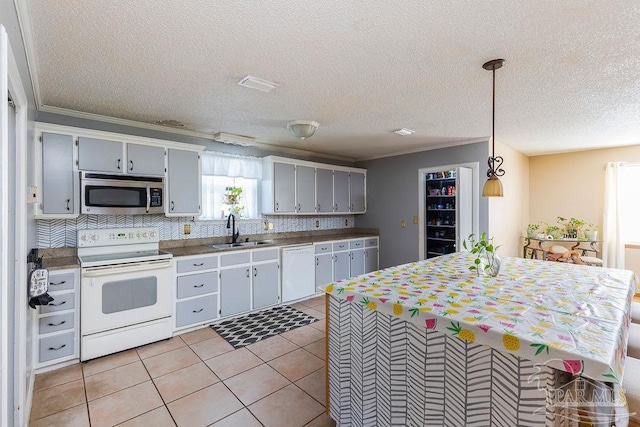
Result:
[
  {"x": 148, "y": 198},
  {"x": 119, "y": 269}
]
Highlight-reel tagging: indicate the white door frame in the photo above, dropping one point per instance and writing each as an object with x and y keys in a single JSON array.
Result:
[
  {"x": 422, "y": 176},
  {"x": 17, "y": 255},
  {"x": 4, "y": 227}
]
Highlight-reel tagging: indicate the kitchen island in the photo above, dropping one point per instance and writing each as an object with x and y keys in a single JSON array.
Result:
[{"x": 430, "y": 343}]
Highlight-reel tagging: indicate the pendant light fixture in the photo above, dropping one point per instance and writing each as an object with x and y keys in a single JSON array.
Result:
[{"x": 493, "y": 186}]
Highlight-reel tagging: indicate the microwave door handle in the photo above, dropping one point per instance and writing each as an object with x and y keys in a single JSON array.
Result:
[{"x": 148, "y": 198}]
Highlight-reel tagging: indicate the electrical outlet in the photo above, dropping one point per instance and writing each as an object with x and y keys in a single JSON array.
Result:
[
  {"x": 270, "y": 226},
  {"x": 415, "y": 219},
  {"x": 265, "y": 226},
  {"x": 187, "y": 229},
  {"x": 32, "y": 197},
  {"x": 403, "y": 223},
  {"x": 317, "y": 223}
]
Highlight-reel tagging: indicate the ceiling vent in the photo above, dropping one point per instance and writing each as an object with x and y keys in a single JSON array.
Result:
[
  {"x": 403, "y": 132},
  {"x": 257, "y": 83},
  {"x": 231, "y": 139}
]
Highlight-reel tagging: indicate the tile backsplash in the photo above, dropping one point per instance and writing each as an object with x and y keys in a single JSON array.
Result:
[{"x": 58, "y": 233}]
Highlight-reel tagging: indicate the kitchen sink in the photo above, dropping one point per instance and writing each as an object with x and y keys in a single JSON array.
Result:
[{"x": 242, "y": 244}]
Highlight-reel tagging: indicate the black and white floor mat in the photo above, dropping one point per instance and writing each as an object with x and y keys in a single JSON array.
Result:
[{"x": 245, "y": 330}]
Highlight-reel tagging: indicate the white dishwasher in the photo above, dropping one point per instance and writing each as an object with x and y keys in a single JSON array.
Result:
[{"x": 298, "y": 272}]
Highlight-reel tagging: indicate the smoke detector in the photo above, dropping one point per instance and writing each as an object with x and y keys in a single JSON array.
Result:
[{"x": 403, "y": 132}]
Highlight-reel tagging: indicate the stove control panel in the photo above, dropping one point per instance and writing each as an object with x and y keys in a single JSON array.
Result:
[{"x": 117, "y": 236}]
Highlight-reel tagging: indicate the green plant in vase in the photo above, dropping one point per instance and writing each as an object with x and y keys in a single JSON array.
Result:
[
  {"x": 486, "y": 261},
  {"x": 533, "y": 230},
  {"x": 553, "y": 231},
  {"x": 232, "y": 199},
  {"x": 591, "y": 232},
  {"x": 572, "y": 226}
]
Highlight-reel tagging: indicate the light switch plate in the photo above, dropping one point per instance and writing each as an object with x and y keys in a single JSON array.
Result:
[
  {"x": 270, "y": 226},
  {"x": 187, "y": 229},
  {"x": 415, "y": 219},
  {"x": 32, "y": 197},
  {"x": 403, "y": 224}
]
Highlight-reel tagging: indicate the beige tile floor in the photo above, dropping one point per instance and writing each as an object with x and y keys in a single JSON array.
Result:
[{"x": 194, "y": 379}]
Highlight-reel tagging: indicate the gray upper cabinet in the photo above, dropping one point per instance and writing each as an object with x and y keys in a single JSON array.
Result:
[
  {"x": 341, "y": 191},
  {"x": 356, "y": 192},
  {"x": 235, "y": 290},
  {"x": 265, "y": 285},
  {"x": 183, "y": 183},
  {"x": 100, "y": 155},
  {"x": 305, "y": 189},
  {"x": 145, "y": 160},
  {"x": 58, "y": 195},
  {"x": 284, "y": 178},
  {"x": 324, "y": 190}
]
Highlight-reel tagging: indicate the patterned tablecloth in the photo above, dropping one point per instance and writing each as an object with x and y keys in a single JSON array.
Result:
[{"x": 569, "y": 317}]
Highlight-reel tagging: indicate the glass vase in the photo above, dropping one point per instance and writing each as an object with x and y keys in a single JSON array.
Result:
[{"x": 489, "y": 264}]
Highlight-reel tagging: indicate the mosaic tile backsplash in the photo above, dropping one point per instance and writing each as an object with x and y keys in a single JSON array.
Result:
[{"x": 58, "y": 233}]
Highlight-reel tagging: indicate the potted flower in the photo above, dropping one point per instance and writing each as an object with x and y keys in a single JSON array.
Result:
[
  {"x": 486, "y": 261},
  {"x": 533, "y": 229},
  {"x": 553, "y": 231},
  {"x": 591, "y": 232},
  {"x": 232, "y": 199}
]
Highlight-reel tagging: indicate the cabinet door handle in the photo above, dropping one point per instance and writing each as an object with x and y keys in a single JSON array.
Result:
[
  {"x": 58, "y": 348},
  {"x": 68, "y": 201},
  {"x": 335, "y": 207},
  {"x": 57, "y": 284},
  {"x": 317, "y": 261},
  {"x": 58, "y": 324},
  {"x": 131, "y": 168},
  {"x": 255, "y": 272},
  {"x": 173, "y": 205},
  {"x": 248, "y": 275},
  {"x": 56, "y": 305},
  {"x": 318, "y": 208},
  {"x": 118, "y": 163},
  {"x": 198, "y": 311},
  {"x": 277, "y": 206},
  {"x": 198, "y": 265},
  {"x": 198, "y": 286}
]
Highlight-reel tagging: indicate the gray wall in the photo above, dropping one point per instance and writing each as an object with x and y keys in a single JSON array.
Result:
[{"x": 392, "y": 196}]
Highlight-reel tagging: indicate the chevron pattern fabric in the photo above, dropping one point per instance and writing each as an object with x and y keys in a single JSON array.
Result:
[{"x": 387, "y": 372}]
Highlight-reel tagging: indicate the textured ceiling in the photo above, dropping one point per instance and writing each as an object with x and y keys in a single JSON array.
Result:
[{"x": 360, "y": 68}]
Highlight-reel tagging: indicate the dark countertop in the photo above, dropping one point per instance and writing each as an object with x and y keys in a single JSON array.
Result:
[{"x": 63, "y": 258}]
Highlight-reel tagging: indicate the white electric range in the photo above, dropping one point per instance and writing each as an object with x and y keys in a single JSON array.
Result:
[{"x": 125, "y": 290}]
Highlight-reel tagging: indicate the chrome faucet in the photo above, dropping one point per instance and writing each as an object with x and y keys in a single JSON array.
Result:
[{"x": 231, "y": 223}]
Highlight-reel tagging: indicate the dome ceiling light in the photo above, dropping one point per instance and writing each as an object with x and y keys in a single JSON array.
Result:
[{"x": 302, "y": 128}]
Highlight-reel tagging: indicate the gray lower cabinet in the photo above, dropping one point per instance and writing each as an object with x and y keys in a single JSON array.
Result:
[
  {"x": 324, "y": 190},
  {"x": 341, "y": 191},
  {"x": 265, "y": 284},
  {"x": 183, "y": 183},
  {"x": 58, "y": 323},
  {"x": 145, "y": 160},
  {"x": 284, "y": 179},
  {"x": 196, "y": 310},
  {"x": 235, "y": 290},
  {"x": 324, "y": 269},
  {"x": 100, "y": 155},
  {"x": 370, "y": 260},
  {"x": 341, "y": 261},
  {"x": 58, "y": 195},
  {"x": 305, "y": 189},
  {"x": 356, "y": 262}
]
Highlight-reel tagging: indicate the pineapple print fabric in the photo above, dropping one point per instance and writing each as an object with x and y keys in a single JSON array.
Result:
[{"x": 569, "y": 317}]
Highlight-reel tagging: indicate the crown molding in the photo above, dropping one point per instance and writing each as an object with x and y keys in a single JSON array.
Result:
[{"x": 429, "y": 148}]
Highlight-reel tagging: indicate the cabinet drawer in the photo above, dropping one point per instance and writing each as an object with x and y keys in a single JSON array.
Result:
[
  {"x": 196, "y": 310},
  {"x": 356, "y": 244},
  {"x": 60, "y": 282},
  {"x": 265, "y": 254},
  {"x": 341, "y": 246},
  {"x": 243, "y": 257},
  {"x": 56, "y": 347},
  {"x": 197, "y": 264},
  {"x": 56, "y": 323},
  {"x": 323, "y": 248},
  {"x": 60, "y": 302},
  {"x": 197, "y": 284},
  {"x": 368, "y": 243}
]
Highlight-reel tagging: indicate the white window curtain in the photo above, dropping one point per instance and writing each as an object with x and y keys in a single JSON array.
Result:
[
  {"x": 220, "y": 171},
  {"x": 613, "y": 244}
]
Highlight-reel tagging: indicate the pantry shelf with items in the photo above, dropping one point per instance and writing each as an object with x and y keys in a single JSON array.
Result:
[{"x": 448, "y": 210}]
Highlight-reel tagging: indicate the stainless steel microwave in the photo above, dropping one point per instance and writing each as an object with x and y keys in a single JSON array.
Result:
[{"x": 120, "y": 194}]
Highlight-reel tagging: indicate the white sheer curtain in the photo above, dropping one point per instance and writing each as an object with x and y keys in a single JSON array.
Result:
[
  {"x": 613, "y": 245},
  {"x": 220, "y": 171}
]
